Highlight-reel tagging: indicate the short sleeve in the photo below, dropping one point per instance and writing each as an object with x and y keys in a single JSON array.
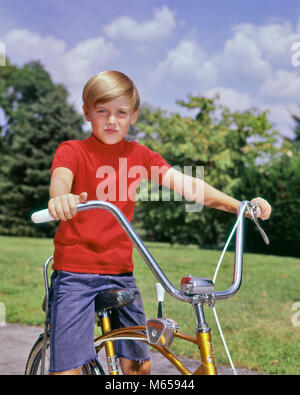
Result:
[
  {"x": 156, "y": 166},
  {"x": 65, "y": 156}
]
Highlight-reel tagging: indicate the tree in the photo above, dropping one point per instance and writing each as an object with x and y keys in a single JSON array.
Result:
[
  {"x": 296, "y": 139},
  {"x": 38, "y": 119},
  {"x": 280, "y": 182},
  {"x": 226, "y": 143}
]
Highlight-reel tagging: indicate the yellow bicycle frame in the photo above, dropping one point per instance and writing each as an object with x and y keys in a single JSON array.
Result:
[{"x": 202, "y": 340}]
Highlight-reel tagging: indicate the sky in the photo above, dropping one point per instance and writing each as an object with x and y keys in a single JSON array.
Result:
[{"x": 170, "y": 48}]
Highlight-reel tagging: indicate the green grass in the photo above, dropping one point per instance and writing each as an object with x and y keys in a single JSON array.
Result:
[{"x": 257, "y": 322}]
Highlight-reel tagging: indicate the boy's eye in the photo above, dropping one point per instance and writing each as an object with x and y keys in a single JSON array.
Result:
[{"x": 103, "y": 111}]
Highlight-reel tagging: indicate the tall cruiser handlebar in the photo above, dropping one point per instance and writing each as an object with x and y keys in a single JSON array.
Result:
[{"x": 44, "y": 216}]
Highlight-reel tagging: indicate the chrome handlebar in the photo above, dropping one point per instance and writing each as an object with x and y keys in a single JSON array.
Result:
[
  {"x": 152, "y": 264},
  {"x": 238, "y": 259}
]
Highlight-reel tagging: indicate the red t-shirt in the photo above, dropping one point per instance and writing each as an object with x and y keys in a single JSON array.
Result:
[{"x": 93, "y": 241}]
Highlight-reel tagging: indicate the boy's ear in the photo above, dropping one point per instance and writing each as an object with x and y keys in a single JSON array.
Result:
[
  {"x": 85, "y": 113},
  {"x": 134, "y": 117}
]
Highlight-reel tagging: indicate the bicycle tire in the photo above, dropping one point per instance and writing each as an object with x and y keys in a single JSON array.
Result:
[{"x": 33, "y": 367}]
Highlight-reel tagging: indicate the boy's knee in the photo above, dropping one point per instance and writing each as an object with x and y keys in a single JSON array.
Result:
[{"x": 130, "y": 367}]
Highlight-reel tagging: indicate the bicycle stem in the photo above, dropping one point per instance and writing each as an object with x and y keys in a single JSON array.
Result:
[{"x": 152, "y": 264}]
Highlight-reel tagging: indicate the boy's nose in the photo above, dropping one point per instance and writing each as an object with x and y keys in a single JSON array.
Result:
[{"x": 111, "y": 119}]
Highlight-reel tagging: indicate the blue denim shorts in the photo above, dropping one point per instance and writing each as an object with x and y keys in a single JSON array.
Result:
[{"x": 72, "y": 318}]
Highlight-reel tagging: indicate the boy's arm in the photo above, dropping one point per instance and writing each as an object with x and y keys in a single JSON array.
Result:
[
  {"x": 63, "y": 204},
  {"x": 195, "y": 189}
]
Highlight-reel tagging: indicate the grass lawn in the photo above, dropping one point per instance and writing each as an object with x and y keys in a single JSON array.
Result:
[{"x": 257, "y": 322}]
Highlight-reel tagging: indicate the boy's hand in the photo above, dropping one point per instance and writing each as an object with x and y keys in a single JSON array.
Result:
[
  {"x": 264, "y": 206},
  {"x": 64, "y": 207}
]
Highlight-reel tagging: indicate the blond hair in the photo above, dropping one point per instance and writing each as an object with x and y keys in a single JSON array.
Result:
[{"x": 110, "y": 85}]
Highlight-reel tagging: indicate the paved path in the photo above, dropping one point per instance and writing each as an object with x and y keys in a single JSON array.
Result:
[{"x": 16, "y": 342}]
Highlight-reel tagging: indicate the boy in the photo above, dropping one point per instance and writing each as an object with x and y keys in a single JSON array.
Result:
[{"x": 92, "y": 252}]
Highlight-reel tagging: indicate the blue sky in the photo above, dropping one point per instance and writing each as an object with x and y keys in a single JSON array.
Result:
[{"x": 171, "y": 48}]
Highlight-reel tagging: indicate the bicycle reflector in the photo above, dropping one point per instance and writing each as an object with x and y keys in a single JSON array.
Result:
[{"x": 161, "y": 331}]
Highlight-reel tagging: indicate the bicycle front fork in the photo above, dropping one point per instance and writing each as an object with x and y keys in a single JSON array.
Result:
[{"x": 208, "y": 366}]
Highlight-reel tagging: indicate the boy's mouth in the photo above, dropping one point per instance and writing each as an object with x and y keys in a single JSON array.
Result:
[{"x": 111, "y": 131}]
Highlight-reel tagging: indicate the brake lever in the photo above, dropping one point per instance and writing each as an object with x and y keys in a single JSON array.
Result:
[{"x": 255, "y": 212}]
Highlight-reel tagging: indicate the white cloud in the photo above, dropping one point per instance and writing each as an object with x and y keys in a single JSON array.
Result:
[
  {"x": 23, "y": 45},
  {"x": 273, "y": 40},
  {"x": 279, "y": 114},
  {"x": 78, "y": 64},
  {"x": 253, "y": 69},
  {"x": 249, "y": 57},
  {"x": 187, "y": 63},
  {"x": 231, "y": 98},
  {"x": 242, "y": 56},
  {"x": 258, "y": 58},
  {"x": 70, "y": 67},
  {"x": 255, "y": 51},
  {"x": 125, "y": 28},
  {"x": 281, "y": 117},
  {"x": 281, "y": 85},
  {"x": 84, "y": 59}
]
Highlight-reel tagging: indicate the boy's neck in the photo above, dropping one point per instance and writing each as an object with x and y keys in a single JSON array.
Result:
[
  {"x": 102, "y": 147},
  {"x": 108, "y": 145}
]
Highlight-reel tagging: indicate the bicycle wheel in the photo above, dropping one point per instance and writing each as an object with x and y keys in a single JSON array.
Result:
[{"x": 33, "y": 365}]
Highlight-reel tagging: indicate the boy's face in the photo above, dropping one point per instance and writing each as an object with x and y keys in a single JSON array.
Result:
[{"x": 110, "y": 121}]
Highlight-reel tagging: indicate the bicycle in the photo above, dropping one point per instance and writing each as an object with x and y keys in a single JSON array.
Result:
[{"x": 159, "y": 332}]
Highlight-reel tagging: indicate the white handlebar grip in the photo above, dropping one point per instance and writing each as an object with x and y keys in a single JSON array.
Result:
[
  {"x": 41, "y": 216},
  {"x": 258, "y": 212},
  {"x": 160, "y": 292}
]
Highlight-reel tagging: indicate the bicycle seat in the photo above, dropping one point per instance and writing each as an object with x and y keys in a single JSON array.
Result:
[{"x": 113, "y": 299}]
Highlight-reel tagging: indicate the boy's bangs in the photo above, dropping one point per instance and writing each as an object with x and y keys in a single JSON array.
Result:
[
  {"x": 108, "y": 86},
  {"x": 102, "y": 99}
]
